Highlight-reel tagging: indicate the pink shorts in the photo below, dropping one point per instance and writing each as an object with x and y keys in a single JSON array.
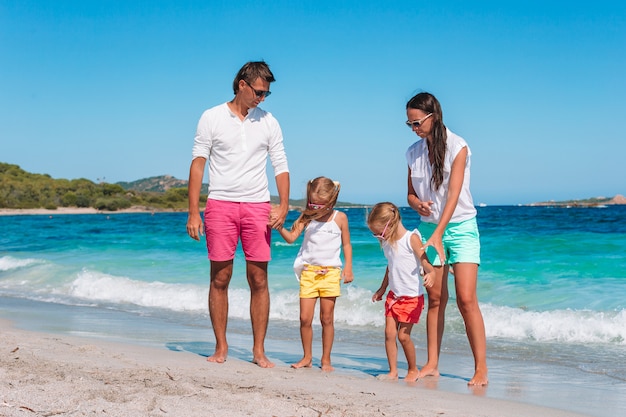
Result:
[
  {"x": 227, "y": 221},
  {"x": 404, "y": 309}
]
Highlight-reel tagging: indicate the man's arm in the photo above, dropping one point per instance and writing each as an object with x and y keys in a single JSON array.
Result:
[
  {"x": 279, "y": 213},
  {"x": 195, "y": 228}
]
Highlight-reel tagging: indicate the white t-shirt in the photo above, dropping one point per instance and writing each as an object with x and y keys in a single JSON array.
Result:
[
  {"x": 237, "y": 152},
  {"x": 421, "y": 174},
  {"x": 404, "y": 268},
  {"x": 321, "y": 245}
]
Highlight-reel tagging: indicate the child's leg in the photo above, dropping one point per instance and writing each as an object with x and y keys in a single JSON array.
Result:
[
  {"x": 404, "y": 337},
  {"x": 435, "y": 320},
  {"x": 327, "y": 317},
  {"x": 307, "y": 310},
  {"x": 391, "y": 331}
]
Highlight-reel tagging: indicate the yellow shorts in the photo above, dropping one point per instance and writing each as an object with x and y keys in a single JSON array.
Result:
[{"x": 320, "y": 281}]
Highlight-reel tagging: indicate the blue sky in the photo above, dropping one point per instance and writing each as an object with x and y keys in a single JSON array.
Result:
[{"x": 114, "y": 89}]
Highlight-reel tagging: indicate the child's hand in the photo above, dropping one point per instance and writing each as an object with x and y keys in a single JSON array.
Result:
[
  {"x": 348, "y": 277},
  {"x": 378, "y": 295},
  {"x": 429, "y": 279}
]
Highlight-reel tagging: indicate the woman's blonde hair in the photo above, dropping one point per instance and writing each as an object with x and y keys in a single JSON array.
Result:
[
  {"x": 321, "y": 196},
  {"x": 385, "y": 214}
]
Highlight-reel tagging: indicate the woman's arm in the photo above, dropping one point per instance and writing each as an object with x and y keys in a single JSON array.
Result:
[
  {"x": 422, "y": 207},
  {"x": 457, "y": 175}
]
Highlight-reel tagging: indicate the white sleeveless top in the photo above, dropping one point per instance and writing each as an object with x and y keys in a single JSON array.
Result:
[
  {"x": 405, "y": 279},
  {"x": 422, "y": 172},
  {"x": 321, "y": 245}
]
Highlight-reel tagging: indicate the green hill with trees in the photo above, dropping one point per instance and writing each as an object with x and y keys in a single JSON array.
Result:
[
  {"x": 20, "y": 189},
  {"x": 23, "y": 190}
]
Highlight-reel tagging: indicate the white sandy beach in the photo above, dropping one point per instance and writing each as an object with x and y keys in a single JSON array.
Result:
[{"x": 54, "y": 375}]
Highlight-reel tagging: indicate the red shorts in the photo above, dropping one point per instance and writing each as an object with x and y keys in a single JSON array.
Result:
[
  {"x": 404, "y": 309},
  {"x": 227, "y": 221}
]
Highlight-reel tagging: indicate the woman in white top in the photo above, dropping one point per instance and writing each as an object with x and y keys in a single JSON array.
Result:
[
  {"x": 438, "y": 189},
  {"x": 318, "y": 264}
]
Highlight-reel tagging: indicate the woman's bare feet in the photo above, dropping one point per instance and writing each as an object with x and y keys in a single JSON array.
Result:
[
  {"x": 480, "y": 378},
  {"x": 302, "y": 363},
  {"x": 428, "y": 371}
]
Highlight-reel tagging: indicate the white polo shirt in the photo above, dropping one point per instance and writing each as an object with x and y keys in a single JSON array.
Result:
[{"x": 237, "y": 152}]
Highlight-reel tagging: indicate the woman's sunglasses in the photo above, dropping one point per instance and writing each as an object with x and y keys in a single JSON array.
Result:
[{"x": 417, "y": 123}]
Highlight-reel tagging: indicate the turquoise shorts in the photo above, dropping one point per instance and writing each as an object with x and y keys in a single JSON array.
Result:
[{"x": 461, "y": 242}]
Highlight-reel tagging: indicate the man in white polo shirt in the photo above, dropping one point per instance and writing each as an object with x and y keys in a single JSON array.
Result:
[{"x": 236, "y": 138}]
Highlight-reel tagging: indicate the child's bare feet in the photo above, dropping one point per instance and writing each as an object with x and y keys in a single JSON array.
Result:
[
  {"x": 387, "y": 377},
  {"x": 327, "y": 367},
  {"x": 303, "y": 363},
  {"x": 412, "y": 375}
]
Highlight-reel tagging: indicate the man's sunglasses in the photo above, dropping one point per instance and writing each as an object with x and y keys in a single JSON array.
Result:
[{"x": 259, "y": 93}]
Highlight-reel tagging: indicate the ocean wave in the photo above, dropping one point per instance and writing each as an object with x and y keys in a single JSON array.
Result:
[
  {"x": 54, "y": 282},
  {"x": 283, "y": 243},
  {"x": 570, "y": 326},
  {"x": 97, "y": 286},
  {"x": 8, "y": 263}
]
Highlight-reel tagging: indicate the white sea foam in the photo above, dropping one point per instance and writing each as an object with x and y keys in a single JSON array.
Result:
[
  {"x": 8, "y": 263},
  {"x": 96, "y": 286},
  {"x": 570, "y": 326},
  {"x": 37, "y": 279}
]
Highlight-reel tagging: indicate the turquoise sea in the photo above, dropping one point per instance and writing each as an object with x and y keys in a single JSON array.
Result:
[{"x": 552, "y": 288}]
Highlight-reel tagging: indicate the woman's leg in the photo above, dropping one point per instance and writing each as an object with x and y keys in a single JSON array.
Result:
[
  {"x": 327, "y": 318},
  {"x": 465, "y": 279},
  {"x": 435, "y": 321},
  {"x": 307, "y": 310}
]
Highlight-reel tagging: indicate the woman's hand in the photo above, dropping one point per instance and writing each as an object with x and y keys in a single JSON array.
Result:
[
  {"x": 435, "y": 242},
  {"x": 423, "y": 208}
]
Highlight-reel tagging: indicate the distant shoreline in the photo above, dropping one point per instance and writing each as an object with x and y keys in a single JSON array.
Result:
[
  {"x": 594, "y": 202},
  {"x": 591, "y": 202},
  {"x": 82, "y": 210}
]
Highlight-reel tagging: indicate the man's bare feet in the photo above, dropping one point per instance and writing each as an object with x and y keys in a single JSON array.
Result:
[
  {"x": 412, "y": 376},
  {"x": 263, "y": 362},
  {"x": 387, "y": 377},
  {"x": 428, "y": 371},
  {"x": 217, "y": 357},
  {"x": 302, "y": 363},
  {"x": 327, "y": 367},
  {"x": 480, "y": 378}
]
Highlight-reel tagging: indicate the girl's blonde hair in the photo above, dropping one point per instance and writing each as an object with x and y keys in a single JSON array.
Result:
[
  {"x": 385, "y": 214},
  {"x": 320, "y": 191}
]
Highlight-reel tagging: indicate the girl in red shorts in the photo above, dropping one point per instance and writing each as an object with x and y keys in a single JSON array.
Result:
[
  {"x": 406, "y": 261},
  {"x": 318, "y": 265}
]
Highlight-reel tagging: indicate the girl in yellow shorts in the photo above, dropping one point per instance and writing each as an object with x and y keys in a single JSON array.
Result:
[{"x": 318, "y": 265}]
